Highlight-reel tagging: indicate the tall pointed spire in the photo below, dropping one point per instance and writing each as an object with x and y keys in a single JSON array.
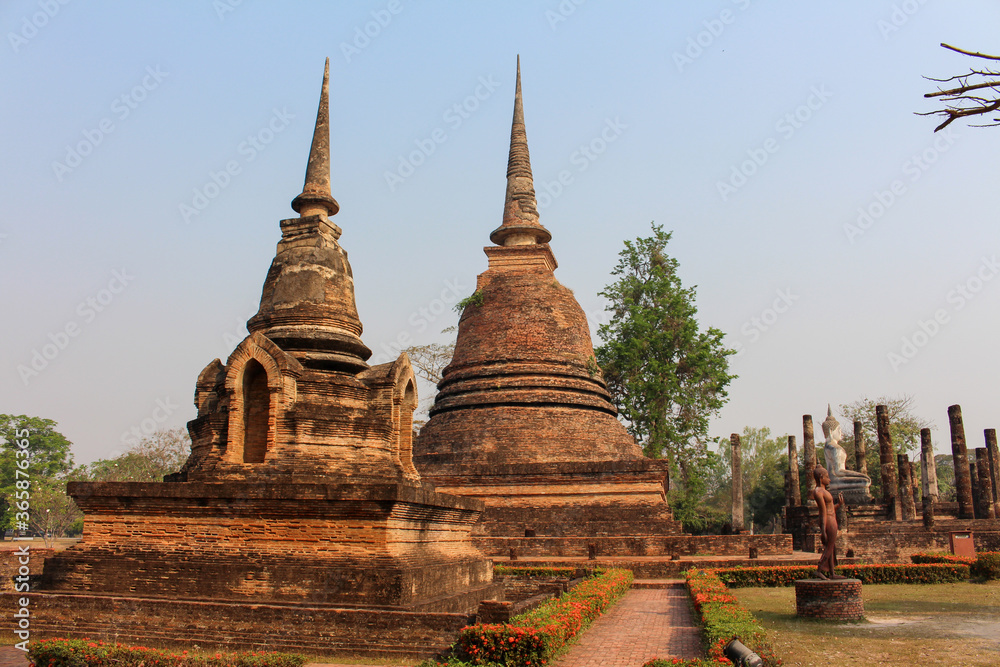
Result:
[
  {"x": 316, "y": 197},
  {"x": 520, "y": 224}
]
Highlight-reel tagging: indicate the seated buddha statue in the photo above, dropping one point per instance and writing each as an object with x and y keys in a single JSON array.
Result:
[{"x": 854, "y": 485}]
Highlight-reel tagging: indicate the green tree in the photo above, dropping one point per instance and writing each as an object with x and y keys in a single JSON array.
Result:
[
  {"x": 904, "y": 429},
  {"x": 48, "y": 460},
  {"x": 666, "y": 377},
  {"x": 156, "y": 455},
  {"x": 764, "y": 462},
  {"x": 52, "y": 513},
  {"x": 699, "y": 501}
]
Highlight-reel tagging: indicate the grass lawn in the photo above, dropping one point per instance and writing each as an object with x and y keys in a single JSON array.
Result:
[{"x": 957, "y": 625}]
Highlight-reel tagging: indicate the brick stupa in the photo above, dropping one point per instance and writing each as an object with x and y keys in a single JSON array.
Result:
[
  {"x": 523, "y": 419},
  {"x": 299, "y": 520}
]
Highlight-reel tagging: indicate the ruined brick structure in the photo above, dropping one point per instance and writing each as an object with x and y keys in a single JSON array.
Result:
[
  {"x": 300, "y": 495},
  {"x": 523, "y": 419},
  {"x": 892, "y": 531}
]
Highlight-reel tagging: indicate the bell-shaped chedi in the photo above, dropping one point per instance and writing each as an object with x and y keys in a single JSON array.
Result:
[
  {"x": 300, "y": 495},
  {"x": 523, "y": 418}
]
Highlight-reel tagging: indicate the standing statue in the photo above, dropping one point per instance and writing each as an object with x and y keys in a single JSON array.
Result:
[
  {"x": 827, "y": 523},
  {"x": 853, "y": 485}
]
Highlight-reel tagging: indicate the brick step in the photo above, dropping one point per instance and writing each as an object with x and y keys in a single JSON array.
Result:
[{"x": 663, "y": 584}]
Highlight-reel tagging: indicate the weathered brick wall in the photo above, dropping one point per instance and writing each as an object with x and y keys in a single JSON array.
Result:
[
  {"x": 387, "y": 544},
  {"x": 11, "y": 562},
  {"x": 838, "y": 600},
  {"x": 895, "y": 542},
  {"x": 648, "y": 545},
  {"x": 214, "y": 625},
  {"x": 520, "y": 587}
]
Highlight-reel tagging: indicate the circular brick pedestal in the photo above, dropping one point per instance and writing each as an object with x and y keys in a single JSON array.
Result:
[{"x": 834, "y": 599}]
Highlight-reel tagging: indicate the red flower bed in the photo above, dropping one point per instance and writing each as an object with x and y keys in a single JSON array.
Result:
[
  {"x": 724, "y": 619},
  {"x": 533, "y": 638}
]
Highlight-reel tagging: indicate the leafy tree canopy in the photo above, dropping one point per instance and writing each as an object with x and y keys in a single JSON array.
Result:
[{"x": 666, "y": 376}]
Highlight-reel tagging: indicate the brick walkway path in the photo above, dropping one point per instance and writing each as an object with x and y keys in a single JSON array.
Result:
[
  {"x": 647, "y": 623},
  {"x": 12, "y": 657}
]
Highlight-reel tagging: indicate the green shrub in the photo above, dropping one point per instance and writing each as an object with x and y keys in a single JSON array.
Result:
[
  {"x": 724, "y": 619},
  {"x": 474, "y": 299},
  {"x": 890, "y": 573},
  {"x": 987, "y": 566},
  {"x": 86, "y": 653},
  {"x": 922, "y": 558},
  {"x": 534, "y": 637}
]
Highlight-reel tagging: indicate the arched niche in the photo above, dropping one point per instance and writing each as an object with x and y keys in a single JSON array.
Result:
[
  {"x": 261, "y": 385},
  {"x": 404, "y": 403}
]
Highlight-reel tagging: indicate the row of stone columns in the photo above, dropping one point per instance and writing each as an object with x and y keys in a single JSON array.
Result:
[{"x": 977, "y": 482}]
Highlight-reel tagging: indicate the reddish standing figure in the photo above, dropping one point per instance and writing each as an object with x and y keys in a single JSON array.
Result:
[{"x": 827, "y": 523}]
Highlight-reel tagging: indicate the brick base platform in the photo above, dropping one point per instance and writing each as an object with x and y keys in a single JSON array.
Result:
[
  {"x": 834, "y": 600},
  {"x": 238, "y": 626}
]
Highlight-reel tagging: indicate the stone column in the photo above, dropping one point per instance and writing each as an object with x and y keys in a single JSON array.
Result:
[
  {"x": 960, "y": 455},
  {"x": 985, "y": 509},
  {"x": 887, "y": 459},
  {"x": 734, "y": 440},
  {"x": 974, "y": 478},
  {"x": 794, "y": 492},
  {"x": 928, "y": 467},
  {"x": 809, "y": 453},
  {"x": 905, "y": 488},
  {"x": 860, "y": 451},
  {"x": 928, "y": 477},
  {"x": 991, "y": 447}
]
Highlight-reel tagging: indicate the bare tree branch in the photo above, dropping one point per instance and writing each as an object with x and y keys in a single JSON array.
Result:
[
  {"x": 975, "y": 54},
  {"x": 960, "y": 102}
]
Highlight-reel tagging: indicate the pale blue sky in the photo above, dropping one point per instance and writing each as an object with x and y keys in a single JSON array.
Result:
[{"x": 198, "y": 81}]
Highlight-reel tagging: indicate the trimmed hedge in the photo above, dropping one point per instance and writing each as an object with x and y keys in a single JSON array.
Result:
[
  {"x": 535, "y": 637},
  {"x": 724, "y": 619},
  {"x": 86, "y": 653},
  {"x": 893, "y": 573},
  {"x": 922, "y": 558},
  {"x": 987, "y": 566},
  {"x": 528, "y": 571}
]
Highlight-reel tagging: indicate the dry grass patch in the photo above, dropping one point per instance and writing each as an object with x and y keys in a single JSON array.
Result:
[{"x": 925, "y": 624}]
